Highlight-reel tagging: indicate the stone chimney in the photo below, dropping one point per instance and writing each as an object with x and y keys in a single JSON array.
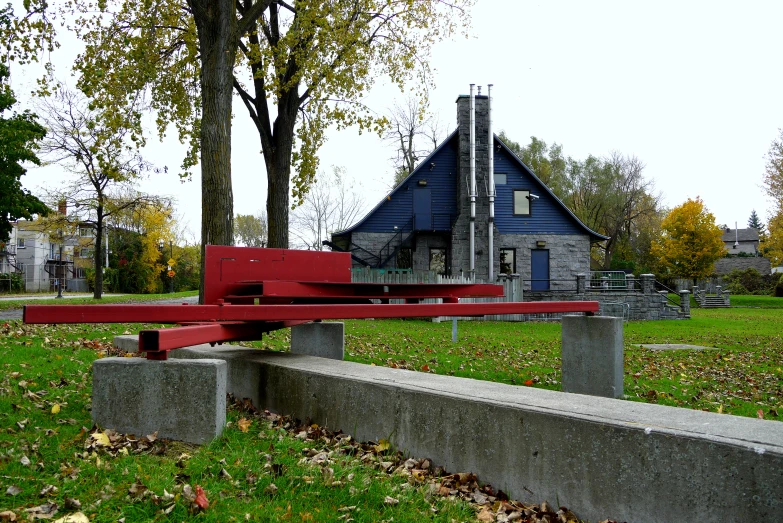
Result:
[
  {"x": 460, "y": 243},
  {"x": 62, "y": 207}
]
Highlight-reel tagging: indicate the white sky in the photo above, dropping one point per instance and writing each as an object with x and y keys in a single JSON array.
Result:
[{"x": 694, "y": 89}]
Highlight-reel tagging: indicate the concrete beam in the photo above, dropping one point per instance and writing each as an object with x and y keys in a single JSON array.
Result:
[
  {"x": 601, "y": 457},
  {"x": 178, "y": 399},
  {"x": 322, "y": 339},
  {"x": 592, "y": 355}
]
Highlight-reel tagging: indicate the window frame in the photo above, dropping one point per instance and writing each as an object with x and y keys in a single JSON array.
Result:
[
  {"x": 445, "y": 260},
  {"x": 526, "y": 196},
  {"x": 86, "y": 231},
  {"x": 513, "y": 251},
  {"x": 409, "y": 252},
  {"x": 84, "y": 252},
  {"x": 20, "y": 243},
  {"x": 505, "y": 179}
]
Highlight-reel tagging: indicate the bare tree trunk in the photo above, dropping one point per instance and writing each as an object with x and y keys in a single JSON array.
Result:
[
  {"x": 278, "y": 169},
  {"x": 98, "y": 257},
  {"x": 214, "y": 21}
]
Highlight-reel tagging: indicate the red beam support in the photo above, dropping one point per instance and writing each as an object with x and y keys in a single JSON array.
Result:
[{"x": 242, "y": 313}]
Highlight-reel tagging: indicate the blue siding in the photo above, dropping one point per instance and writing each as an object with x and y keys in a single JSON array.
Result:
[
  {"x": 397, "y": 209},
  {"x": 547, "y": 215}
]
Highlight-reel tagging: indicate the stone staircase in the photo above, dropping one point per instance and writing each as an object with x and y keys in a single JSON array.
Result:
[{"x": 713, "y": 302}]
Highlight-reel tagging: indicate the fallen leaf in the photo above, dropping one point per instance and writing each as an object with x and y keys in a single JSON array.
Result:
[
  {"x": 25, "y": 461},
  {"x": 45, "y": 511},
  {"x": 13, "y": 490},
  {"x": 201, "y": 498},
  {"x": 382, "y": 446},
  {"x": 244, "y": 424},
  {"x": 425, "y": 368},
  {"x": 100, "y": 439},
  {"x": 529, "y": 382},
  {"x": 56, "y": 408},
  {"x": 76, "y": 517},
  {"x": 271, "y": 489},
  {"x": 760, "y": 414},
  {"x": 485, "y": 515},
  {"x": 388, "y": 500},
  {"x": 7, "y": 515}
]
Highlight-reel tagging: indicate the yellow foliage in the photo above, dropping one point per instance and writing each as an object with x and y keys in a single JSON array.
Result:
[
  {"x": 690, "y": 241},
  {"x": 774, "y": 243}
]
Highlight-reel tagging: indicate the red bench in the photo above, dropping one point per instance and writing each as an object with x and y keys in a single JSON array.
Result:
[{"x": 249, "y": 291}]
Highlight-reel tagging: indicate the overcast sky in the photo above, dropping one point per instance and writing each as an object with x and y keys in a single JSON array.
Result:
[{"x": 694, "y": 89}]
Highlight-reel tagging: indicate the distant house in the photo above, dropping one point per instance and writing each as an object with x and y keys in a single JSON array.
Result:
[
  {"x": 741, "y": 241},
  {"x": 742, "y": 252},
  {"x": 47, "y": 262},
  {"x": 425, "y": 222}
]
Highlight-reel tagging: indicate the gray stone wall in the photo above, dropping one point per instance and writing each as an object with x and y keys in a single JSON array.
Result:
[
  {"x": 569, "y": 255},
  {"x": 726, "y": 265}
]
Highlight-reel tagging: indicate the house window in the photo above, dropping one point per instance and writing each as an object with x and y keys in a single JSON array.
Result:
[
  {"x": 84, "y": 252},
  {"x": 85, "y": 232},
  {"x": 81, "y": 273},
  {"x": 404, "y": 258},
  {"x": 508, "y": 261},
  {"x": 20, "y": 243},
  {"x": 521, "y": 203},
  {"x": 438, "y": 261},
  {"x": 52, "y": 251},
  {"x": 500, "y": 179}
]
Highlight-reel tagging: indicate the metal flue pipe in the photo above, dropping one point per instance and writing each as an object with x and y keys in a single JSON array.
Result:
[
  {"x": 491, "y": 189},
  {"x": 472, "y": 182}
]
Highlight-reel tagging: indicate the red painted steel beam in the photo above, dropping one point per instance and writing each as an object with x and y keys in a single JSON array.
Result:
[
  {"x": 227, "y": 313},
  {"x": 378, "y": 290},
  {"x": 158, "y": 342}
]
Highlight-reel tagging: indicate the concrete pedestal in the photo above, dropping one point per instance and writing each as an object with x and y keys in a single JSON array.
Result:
[
  {"x": 179, "y": 399},
  {"x": 325, "y": 340},
  {"x": 593, "y": 355}
]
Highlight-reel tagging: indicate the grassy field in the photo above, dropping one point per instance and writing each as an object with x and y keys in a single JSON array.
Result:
[
  {"x": 17, "y": 302},
  {"x": 740, "y": 373},
  {"x": 267, "y": 468}
]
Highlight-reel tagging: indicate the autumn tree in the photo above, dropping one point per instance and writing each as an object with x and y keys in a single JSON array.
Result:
[
  {"x": 773, "y": 177},
  {"x": 413, "y": 133},
  {"x": 251, "y": 230},
  {"x": 690, "y": 241},
  {"x": 330, "y": 206},
  {"x": 102, "y": 160},
  {"x": 19, "y": 138},
  {"x": 152, "y": 230}
]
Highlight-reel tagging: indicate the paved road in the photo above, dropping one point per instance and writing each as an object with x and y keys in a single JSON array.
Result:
[{"x": 16, "y": 314}]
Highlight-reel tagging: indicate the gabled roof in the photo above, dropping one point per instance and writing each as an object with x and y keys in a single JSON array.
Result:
[
  {"x": 452, "y": 136},
  {"x": 598, "y": 237},
  {"x": 399, "y": 185},
  {"x": 742, "y": 235}
]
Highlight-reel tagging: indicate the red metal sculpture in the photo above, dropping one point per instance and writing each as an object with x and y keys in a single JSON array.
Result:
[{"x": 249, "y": 291}]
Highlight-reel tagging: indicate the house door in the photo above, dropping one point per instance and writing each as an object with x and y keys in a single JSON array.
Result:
[
  {"x": 422, "y": 210},
  {"x": 539, "y": 273}
]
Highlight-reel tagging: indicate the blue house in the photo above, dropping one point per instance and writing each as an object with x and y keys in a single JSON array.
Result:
[{"x": 519, "y": 228}]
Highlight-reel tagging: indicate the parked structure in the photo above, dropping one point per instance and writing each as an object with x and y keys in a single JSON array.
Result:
[{"x": 475, "y": 211}]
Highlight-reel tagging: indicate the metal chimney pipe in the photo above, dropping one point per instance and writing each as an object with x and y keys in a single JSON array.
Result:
[
  {"x": 491, "y": 155},
  {"x": 472, "y": 182},
  {"x": 736, "y": 236}
]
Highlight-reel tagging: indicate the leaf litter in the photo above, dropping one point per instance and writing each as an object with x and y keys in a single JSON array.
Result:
[{"x": 489, "y": 504}]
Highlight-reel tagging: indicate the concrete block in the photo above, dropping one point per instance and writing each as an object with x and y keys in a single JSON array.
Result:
[
  {"x": 127, "y": 342},
  {"x": 592, "y": 351},
  {"x": 325, "y": 340},
  {"x": 243, "y": 372},
  {"x": 179, "y": 399}
]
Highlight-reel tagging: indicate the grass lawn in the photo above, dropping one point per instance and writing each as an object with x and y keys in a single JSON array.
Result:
[
  {"x": 21, "y": 301},
  {"x": 264, "y": 468},
  {"x": 267, "y": 468},
  {"x": 743, "y": 376}
]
